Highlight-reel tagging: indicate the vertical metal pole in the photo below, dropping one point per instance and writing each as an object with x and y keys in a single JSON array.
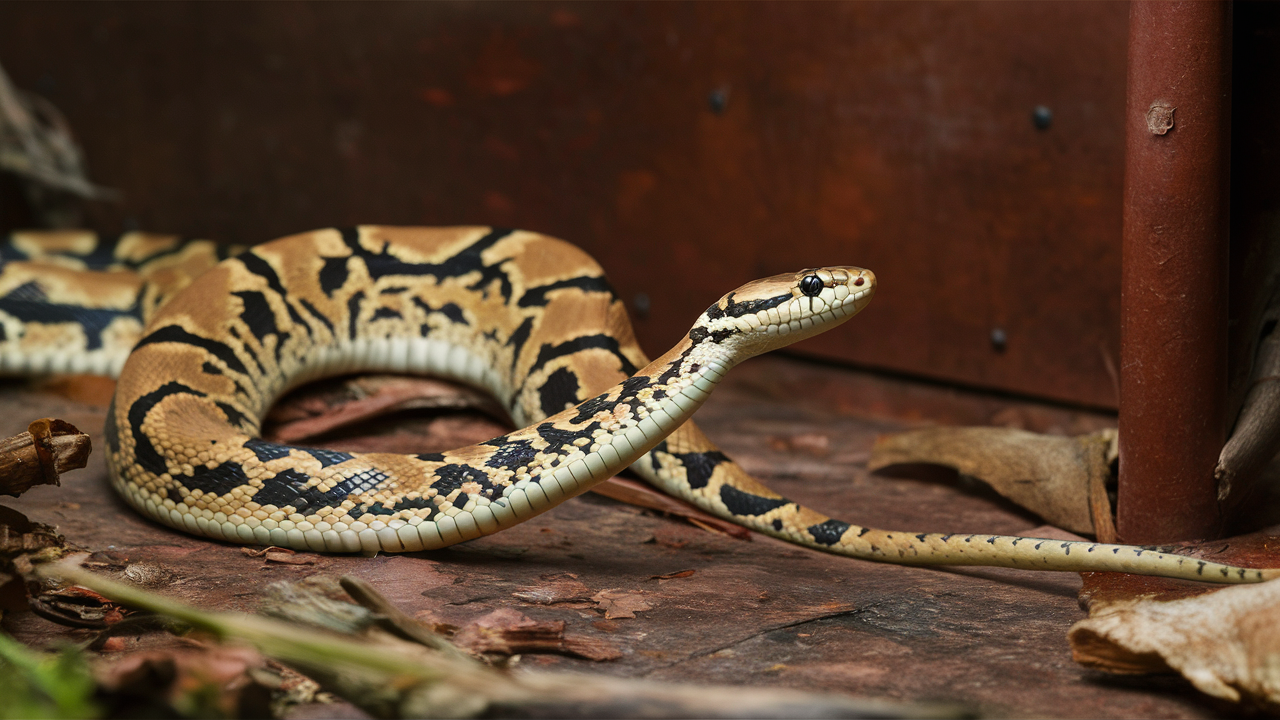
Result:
[{"x": 1173, "y": 301}]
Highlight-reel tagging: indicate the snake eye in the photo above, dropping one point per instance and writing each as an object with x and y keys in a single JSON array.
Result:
[{"x": 811, "y": 285}]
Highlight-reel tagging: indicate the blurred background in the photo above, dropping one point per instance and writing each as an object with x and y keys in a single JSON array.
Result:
[{"x": 971, "y": 154}]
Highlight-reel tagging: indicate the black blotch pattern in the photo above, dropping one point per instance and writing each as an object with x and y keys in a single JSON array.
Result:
[
  {"x": 699, "y": 466},
  {"x": 746, "y": 307},
  {"x": 512, "y": 455},
  {"x": 741, "y": 503},
  {"x": 776, "y": 525},
  {"x": 699, "y": 334},
  {"x": 557, "y": 438},
  {"x": 381, "y": 264},
  {"x": 632, "y": 386},
  {"x": 431, "y": 457},
  {"x": 385, "y": 313},
  {"x": 210, "y": 369},
  {"x": 519, "y": 338},
  {"x": 144, "y": 451},
  {"x": 306, "y": 305},
  {"x": 257, "y": 314},
  {"x": 217, "y": 481},
  {"x": 333, "y": 274},
  {"x": 560, "y": 391},
  {"x": 547, "y": 353},
  {"x": 29, "y": 303},
  {"x": 175, "y": 334},
  {"x": 417, "y": 503},
  {"x": 267, "y": 451},
  {"x": 174, "y": 494},
  {"x": 291, "y": 488},
  {"x": 452, "y": 311},
  {"x": 451, "y": 477},
  {"x": 327, "y": 457},
  {"x": 829, "y": 532},
  {"x": 234, "y": 416},
  {"x": 537, "y": 297},
  {"x": 353, "y": 314}
]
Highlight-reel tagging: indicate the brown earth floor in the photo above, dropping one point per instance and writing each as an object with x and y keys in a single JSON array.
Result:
[{"x": 757, "y": 612}]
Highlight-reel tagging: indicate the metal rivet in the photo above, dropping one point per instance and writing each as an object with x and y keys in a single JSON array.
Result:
[
  {"x": 1042, "y": 117},
  {"x": 999, "y": 340},
  {"x": 718, "y": 100},
  {"x": 641, "y": 305}
]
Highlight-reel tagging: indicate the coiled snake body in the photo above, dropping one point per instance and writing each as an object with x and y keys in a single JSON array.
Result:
[{"x": 529, "y": 318}]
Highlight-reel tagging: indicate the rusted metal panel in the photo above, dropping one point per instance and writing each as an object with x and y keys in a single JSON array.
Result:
[
  {"x": 1174, "y": 282},
  {"x": 970, "y": 153}
]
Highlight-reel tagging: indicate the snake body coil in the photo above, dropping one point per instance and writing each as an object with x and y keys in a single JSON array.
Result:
[{"x": 529, "y": 318}]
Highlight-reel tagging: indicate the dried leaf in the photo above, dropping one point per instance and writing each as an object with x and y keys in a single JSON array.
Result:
[
  {"x": 1049, "y": 475},
  {"x": 620, "y": 603},
  {"x": 1227, "y": 643}
]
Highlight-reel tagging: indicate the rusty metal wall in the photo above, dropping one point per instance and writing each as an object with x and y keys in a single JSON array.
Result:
[{"x": 970, "y": 153}]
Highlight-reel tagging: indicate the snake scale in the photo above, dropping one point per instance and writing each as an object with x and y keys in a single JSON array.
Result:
[{"x": 211, "y": 341}]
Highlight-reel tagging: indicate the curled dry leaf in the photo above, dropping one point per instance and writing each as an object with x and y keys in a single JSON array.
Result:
[
  {"x": 40, "y": 455},
  {"x": 1061, "y": 479},
  {"x": 1227, "y": 643}
]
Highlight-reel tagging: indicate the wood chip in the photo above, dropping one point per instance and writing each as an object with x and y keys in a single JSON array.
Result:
[{"x": 620, "y": 603}]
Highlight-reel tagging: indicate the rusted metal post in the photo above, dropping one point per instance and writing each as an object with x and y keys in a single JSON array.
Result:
[{"x": 1173, "y": 301}]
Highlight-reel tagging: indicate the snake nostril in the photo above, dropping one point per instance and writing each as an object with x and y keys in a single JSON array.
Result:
[{"x": 859, "y": 282}]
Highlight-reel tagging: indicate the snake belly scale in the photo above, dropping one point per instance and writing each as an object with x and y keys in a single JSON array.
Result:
[{"x": 528, "y": 318}]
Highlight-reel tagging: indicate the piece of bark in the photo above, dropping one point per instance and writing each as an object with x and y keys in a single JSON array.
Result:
[
  {"x": 40, "y": 455},
  {"x": 1225, "y": 642},
  {"x": 509, "y": 632},
  {"x": 1049, "y": 475},
  {"x": 1255, "y": 439},
  {"x": 1253, "y": 395},
  {"x": 19, "y": 535}
]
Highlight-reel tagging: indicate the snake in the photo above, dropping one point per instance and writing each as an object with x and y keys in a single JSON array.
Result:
[{"x": 202, "y": 340}]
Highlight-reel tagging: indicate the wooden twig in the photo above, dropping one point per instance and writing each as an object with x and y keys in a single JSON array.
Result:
[{"x": 39, "y": 456}]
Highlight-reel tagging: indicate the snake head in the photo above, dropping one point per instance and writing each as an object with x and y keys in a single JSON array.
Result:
[{"x": 776, "y": 311}]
